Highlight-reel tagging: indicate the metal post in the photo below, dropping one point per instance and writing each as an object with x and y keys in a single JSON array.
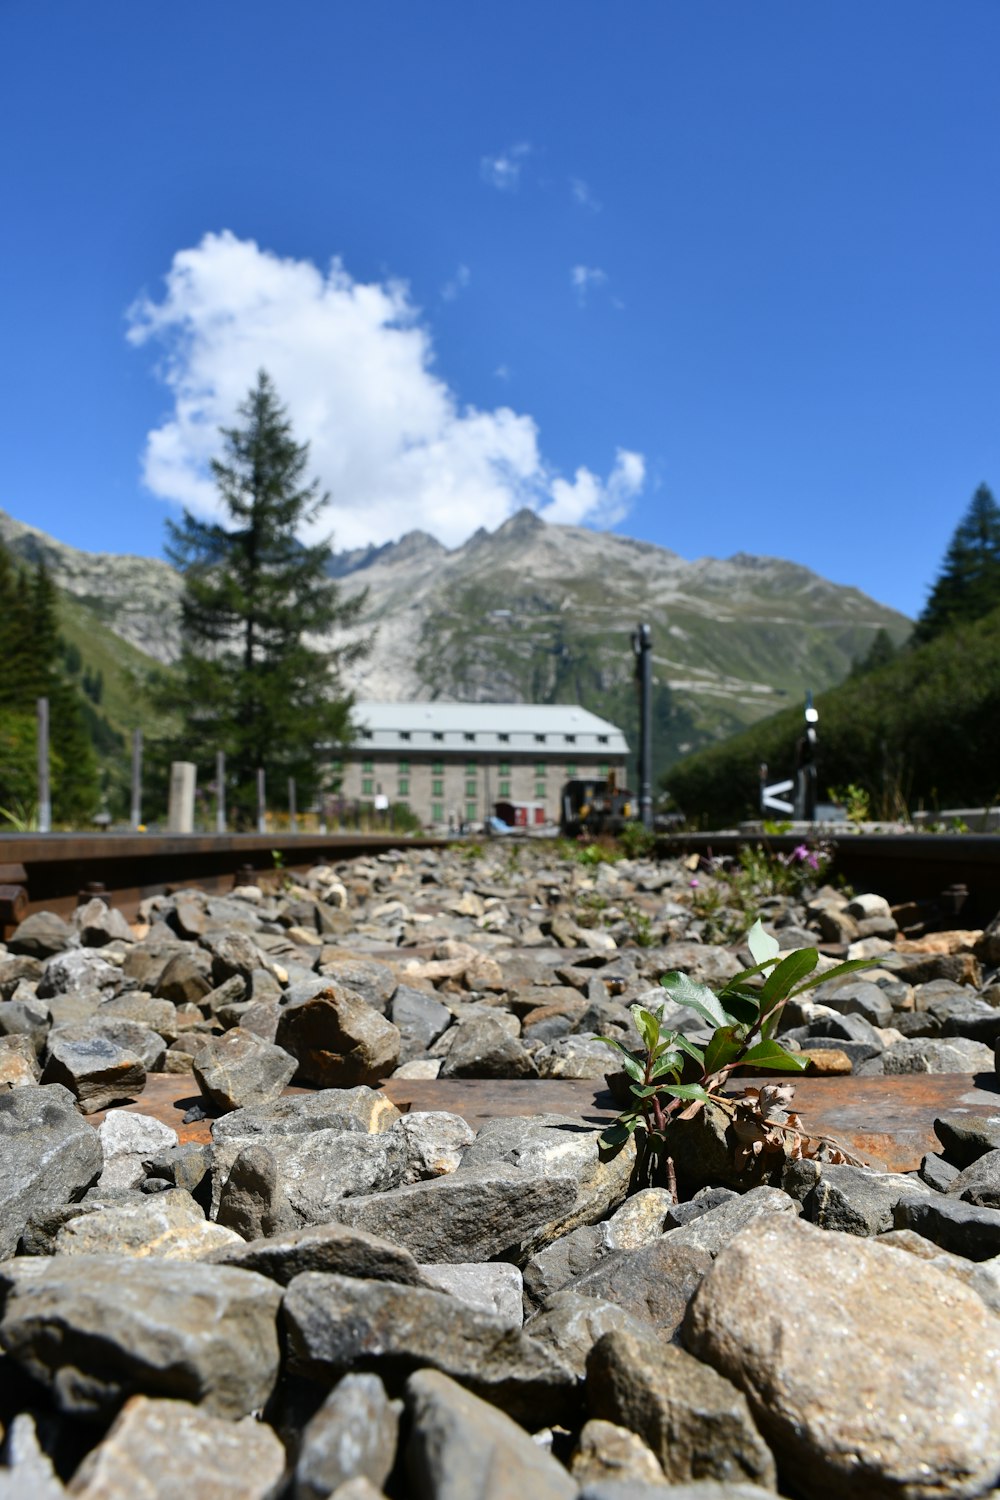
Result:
[
  {"x": 44, "y": 795},
  {"x": 642, "y": 645},
  {"x": 220, "y": 791},
  {"x": 136, "y": 816},
  {"x": 293, "y": 819},
  {"x": 261, "y": 808},
  {"x": 805, "y": 766}
]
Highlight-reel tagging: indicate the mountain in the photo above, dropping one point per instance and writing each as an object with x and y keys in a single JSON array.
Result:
[{"x": 539, "y": 613}]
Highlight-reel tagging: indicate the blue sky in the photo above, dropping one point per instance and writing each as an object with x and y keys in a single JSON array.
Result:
[{"x": 722, "y": 276}]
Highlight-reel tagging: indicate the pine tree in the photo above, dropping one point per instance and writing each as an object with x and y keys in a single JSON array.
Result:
[
  {"x": 968, "y": 585},
  {"x": 254, "y": 595}
]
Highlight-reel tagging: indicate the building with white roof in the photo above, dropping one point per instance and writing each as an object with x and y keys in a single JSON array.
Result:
[{"x": 452, "y": 762}]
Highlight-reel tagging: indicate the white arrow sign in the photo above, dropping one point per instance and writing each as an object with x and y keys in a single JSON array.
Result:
[{"x": 771, "y": 802}]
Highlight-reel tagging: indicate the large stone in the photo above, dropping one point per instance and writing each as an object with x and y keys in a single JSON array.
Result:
[
  {"x": 419, "y": 1019},
  {"x": 493, "y": 1287},
  {"x": 963, "y": 1228},
  {"x": 654, "y": 1284},
  {"x": 337, "y": 1040},
  {"x": 466, "y": 1215},
  {"x": 239, "y": 1069},
  {"x": 184, "y": 978},
  {"x": 920, "y": 1054},
  {"x": 353, "y": 1435},
  {"x": 40, "y": 935},
  {"x": 48, "y": 1156},
  {"x": 983, "y": 1277},
  {"x": 27, "y": 1469},
  {"x": 325, "y": 1247},
  {"x": 311, "y": 1174},
  {"x": 174, "y": 1450},
  {"x": 30, "y": 1018},
  {"x": 99, "y": 924},
  {"x": 607, "y": 1451},
  {"x": 867, "y": 1371},
  {"x": 713, "y": 1230},
  {"x": 483, "y": 1048},
  {"x": 695, "y": 1421},
  {"x": 460, "y": 1446},
  {"x": 168, "y": 1225},
  {"x": 980, "y": 1182},
  {"x": 334, "y": 1323},
  {"x": 131, "y": 1036},
  {"x": 297, "y": 1114},
  {"x": 135, "y": 1005},
  {"x": 95, "y": 1069},
  {"x": 78, "y": 969},
  {"x": 850, "y": 1199},
  {"x": 97, "y": 1329},
  {"x": 18, "y": 1062},
  {"x": 435, "y": 1142},
  {"x": 570, "y": 1326}
]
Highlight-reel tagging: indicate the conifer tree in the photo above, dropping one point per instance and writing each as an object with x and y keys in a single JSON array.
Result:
[
  {"x": 968, "y": 585},
  {"x": 253, "y": 680}
]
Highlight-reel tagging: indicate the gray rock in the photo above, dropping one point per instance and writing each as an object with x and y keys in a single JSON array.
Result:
[
  {"x": 96, "y": 1329},
  {"x": 614, "y": 1490},
  {"x": 713, "y": 1230},
  {"x": 94, "y": 1069},
  {"x": 135, "y": 1005},
  {"x": 173, "y": 1446},
  {"x": 982, "y": 1277},
  {"x": 937, "y": 1173},
  {"x": 131, "y": 1036},
  {"x": 184, "y": 1166},
  {"x": 852, "y": 1200},
  {"x": 29, "y": 1018},
  {"x": 329, "y": 1109},
  {"x": 930, "y": 1055},
  {"x": 239, "y": 1069},
  {"x": 483, "y": 1048},
  {"x": 48, "y": 1156},
  {"x": 696, "y": 1422},
  {"x": 338, "y": 1040},
  {"x": 495, "y": 1287},
  {"x": 325, "y": 1247},
  {"x": 98, "y": 924},
  {"x": 435, "y": 1142},
  {"x": 465, "y": 1216},
  {"x": 654, "y": 1284},
  {"x": 18, "y": 1062},
  {"x": 980, "y": 1182},
  {"x": 966, "y": 1136},
  {"x": 372, "y": 982},
  {"x": 27, "y": 1470},
  {"x": 289, "y": 1181},
  {"x": 570, "y": 1325},
  {"x": 40, "y": 935},
  {"x": 963, "y": 1228},
  {"x": 333, "y": 1323},
  {"x": 861, "y": 998},
  {"x": 124, "y": 1132},
  {"x": 459, "y": 1446},
  {"x": 827, "y": 1393},
  {"x": 419, "y": 1019},
  {"x": 184, "y": 978},
  {"x": 169, "y": 1226},
  {"x": 77, "y": 969},
  {"x": 234, "y": 956},
  {"x": 353, "y": 1435},
  {"x": 559, "y": 1264}
]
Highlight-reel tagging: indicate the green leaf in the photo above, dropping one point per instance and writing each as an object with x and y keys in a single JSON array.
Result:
[
  {"x": 616, "y": 1134},
  {"x": 634, "y": 1068},
  {"x": 690, "y": 1048},
  {"x": 646, "y": 1090},
  {"x": 737, "y": 979},
  {"x": 647, "y": 1025},
  {"x": 762, "y": 946},
  {"x": 849, "y": 966},
  {"x": 781, "y": 980},
  {"x": 743, "y": 1009},
  {"x": 773, "y": 1055},
  {"x": 696, "y": 997},
  {"x": 723, "y": 1048},
  {"x": 687, "y": 1091},
  {"x": 613, "y": 1041},
  {"x": 670, "y": 1062}
]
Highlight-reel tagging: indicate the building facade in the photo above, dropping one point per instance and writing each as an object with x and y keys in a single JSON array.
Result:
[{"x": 451, "y": 763}]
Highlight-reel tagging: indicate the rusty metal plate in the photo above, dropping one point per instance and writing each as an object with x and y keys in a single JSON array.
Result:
[{"x": 888, "y": 1121}]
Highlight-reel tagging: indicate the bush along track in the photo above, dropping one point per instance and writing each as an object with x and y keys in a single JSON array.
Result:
[
  {"x": 745, "y": 1013},
  {"x": 322, "y": 1296}
]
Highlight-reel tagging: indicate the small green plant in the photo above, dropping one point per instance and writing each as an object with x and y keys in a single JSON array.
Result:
[
  {"x": 744, "y": 1013},
  {"x": 854, "y": 800},
  {"x": 637, "y": 841},
  {"x": 472, "y": 851},
  {"x": 277, "y": 859},
  {"x": 773, "y": 825},
  {"x": 639, "y": 925},
  {"x": 22, "y": 817}
]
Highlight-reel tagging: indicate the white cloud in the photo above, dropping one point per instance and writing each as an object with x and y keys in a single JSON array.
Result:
[
  {"x": 456, "y": 284},
  {"x": 582, "y": 195},
  {"x": 584, "y": 278},
  {"x": 502, "y": 372},
  {"x": 353, "y": 364},
  {"x": 588, "y": 499},
  {"x": 504, "y": 171}
]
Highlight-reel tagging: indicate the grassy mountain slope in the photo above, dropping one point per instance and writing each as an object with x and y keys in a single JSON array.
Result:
[{"x": 922, "y": 729}]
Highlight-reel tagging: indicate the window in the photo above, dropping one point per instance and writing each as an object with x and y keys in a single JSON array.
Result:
[
  {"x": 602, "y": 739},
  {"x": 504, "y": 739},
  {"x": 540, "y": 789},
  {"x": 570, "y": 739},
  {"x": 437, "y": 735},
  {"x": 337, "y": 767},
  {"x": 540, "y": 768},
  {"x": 504, "y": 768},
  {"x": 367, "y": 786},
  {"x": 469, "y": 738},
  {"x": 570, "y": 770},
  {"x": 504, "y": 789},
  {"x": 470, "y": 789},
  {"x": 470, "y": 768},
  {"x": 470, "y": 810},
  {"x": 437, "y": 788},
  {"x": 602, "y": 772},
  {"x": 404, "y": 786},
  {"x": 404, "y": 734},
  {"x": 367, "y": 766},
  {"x": 437, "y": 768},
  {"x": 437, "y": 812},
  {"x": 539, "y": 739}
]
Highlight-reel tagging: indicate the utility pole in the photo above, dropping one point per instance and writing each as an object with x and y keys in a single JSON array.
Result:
[
  {"x": 293, "y": 816},
  {"x": 44, "y": 794},
  {"x": 220, "y": 791},
  {"x": 261, "y": 808},
  {"x": 136, "y": 815},
  {"x": 805, "y": 766},
  {"x": 642, "y": 645}
]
